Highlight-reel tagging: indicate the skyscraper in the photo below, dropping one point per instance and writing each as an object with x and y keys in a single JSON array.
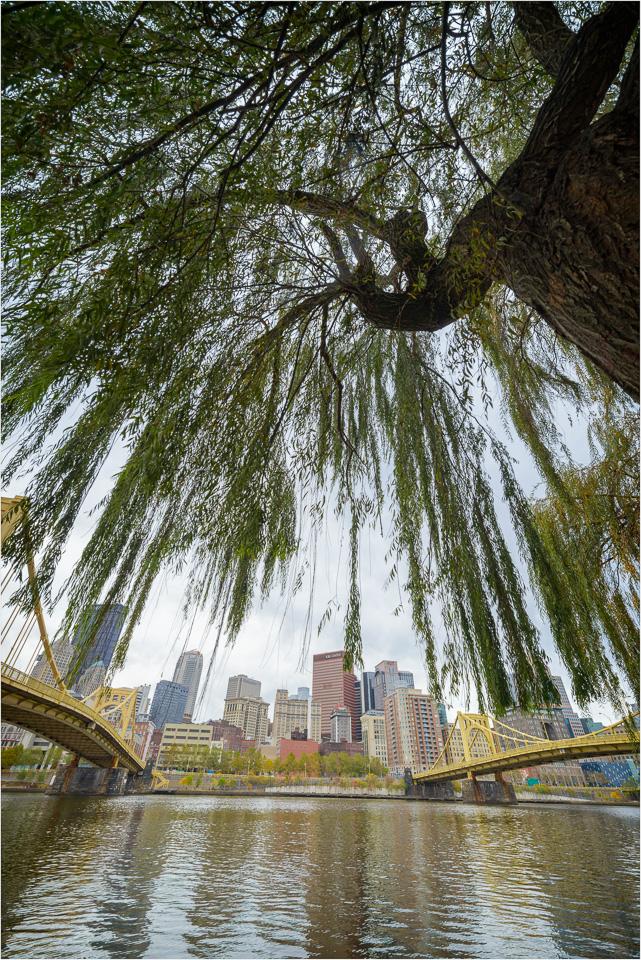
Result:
[
  {"x": 62, "y": 653},
  {"x": 188, "y": 671},
  {"x": 142, "y": 699},
  {"x": 387, "y": 678},
  {"x": 169, "y": 702},
  {"x": 242, "y": 686},
  {"x": 292, "y": 712},
  {"x": 367, "y": 691},
  {"x": 341, "y": 725},
  {"x": 573, "y": 720},
  {"x": 90, "y": 680},
  {"x": 250, "y": 714},
  {"x": 374, "y": 738},
  {"x": 106, "y": 639},
  {"x": 357, "y": 734},
  {"x": 332, "y": 685}
]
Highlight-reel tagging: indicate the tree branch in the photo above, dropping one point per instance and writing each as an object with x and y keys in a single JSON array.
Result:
[
  {"x": 629, "y": 96},
  {"x": 480, "y": 172},
  {"x": 342, "y": 210},
  {"x": 546, "y": 34},
  {"x": 590, "y": 64},
  {"x": 197, "y": 116},
  {"x": 338, "y": 253}
]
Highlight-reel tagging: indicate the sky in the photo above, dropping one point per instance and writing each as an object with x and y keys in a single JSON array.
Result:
[{"x": 271, "y": 647}]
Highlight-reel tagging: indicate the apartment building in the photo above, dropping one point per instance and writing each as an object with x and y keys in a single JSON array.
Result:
[{"x": 413, "y": 730}]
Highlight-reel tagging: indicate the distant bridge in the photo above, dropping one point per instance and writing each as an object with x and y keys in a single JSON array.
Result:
[
  {"x": 491, "y": 746},
  {"x": 50, "y": 711}
]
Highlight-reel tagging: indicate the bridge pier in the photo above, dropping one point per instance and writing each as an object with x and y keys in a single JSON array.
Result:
[
  {"x": 75, "y": 781},
  {"x": 427, "y": 791},
  {"x": 488, "y": 791}
]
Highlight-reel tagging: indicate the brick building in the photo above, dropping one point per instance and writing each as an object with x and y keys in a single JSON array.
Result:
[
  {"x": 298, "y": 747},
  {"x": 229, "y": 734}
]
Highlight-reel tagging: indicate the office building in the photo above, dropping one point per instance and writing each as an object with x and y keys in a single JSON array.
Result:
[
  {"x": 188, "y": 671},
  {"x": 296, "y": 712},
  {"x": 540, "y": 723},
  {"x": 242, "y": 686},
  {"x": 340, "y": 725},
  {"x": 442, "y": 714},
  {"x": 374, "y": 737},
  {"x": 169, "y": 702},
  {"x": 413, "y": 730},
  {"x": 387, "y": 678},
  {"x": 612, "y": 773},
  {"x": 106, "y": 638},
  {"x": 575, "y": 727},
  {"x": 250, "y": 714},
  {"x": 142, "y": 700},
  {"x": 590, "y": 726},
  {"x": 367, "y": 691},
  {"x": 184, "y": 735},
  {"x": 63, "y": 655},
  {"x": 331, "y": 686},
  {"x": 356, "y": 724},
  {"x": 568, "y": 774},
  {"x": 91, "y": 679},
  {"x": 300, "y": 748},
  {"x": 11, "y": 736}
]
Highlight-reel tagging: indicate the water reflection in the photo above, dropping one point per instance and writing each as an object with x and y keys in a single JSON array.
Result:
[{"x": 251, "y": 877}]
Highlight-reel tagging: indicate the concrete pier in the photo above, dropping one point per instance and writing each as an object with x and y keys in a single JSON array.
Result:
[
  {"x": 488, "y": 791},
  {"x": 75, "y": 781},
  {"x": 428, "y": 791}
]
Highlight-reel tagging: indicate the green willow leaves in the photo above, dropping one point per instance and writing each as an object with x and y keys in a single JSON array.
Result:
[{"x": 199, "y": 201}]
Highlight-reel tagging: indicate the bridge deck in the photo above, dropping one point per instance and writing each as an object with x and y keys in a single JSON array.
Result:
[
  {"x": 67, "y": 722},
  {"x": 552, "y": 751}
]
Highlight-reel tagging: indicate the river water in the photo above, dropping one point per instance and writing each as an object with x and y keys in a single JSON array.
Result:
[{"x": 174, "y": 877}]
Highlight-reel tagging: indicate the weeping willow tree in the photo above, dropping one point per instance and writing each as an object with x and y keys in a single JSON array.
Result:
[{"x": 283, "y": 257}]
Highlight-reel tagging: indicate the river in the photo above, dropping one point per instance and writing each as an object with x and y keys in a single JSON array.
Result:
[{"x": 174, "y": 877}]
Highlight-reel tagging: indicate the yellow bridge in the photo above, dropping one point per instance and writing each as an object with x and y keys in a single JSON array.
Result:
[
  {"x": 91, "y": 731},
  {"x": 478, "y": 744}
]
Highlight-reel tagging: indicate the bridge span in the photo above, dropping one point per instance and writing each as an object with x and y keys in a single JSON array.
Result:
[
  {"x": 489, "y": 746},
  {"x": 51, "y": 711},
  {"x": 65, "y": 721}
]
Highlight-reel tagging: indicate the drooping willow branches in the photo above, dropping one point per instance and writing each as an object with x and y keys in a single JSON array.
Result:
[{"x": 245, "y": 243}]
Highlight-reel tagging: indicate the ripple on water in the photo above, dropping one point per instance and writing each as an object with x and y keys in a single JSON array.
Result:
[{"x": 198, "y": 877}]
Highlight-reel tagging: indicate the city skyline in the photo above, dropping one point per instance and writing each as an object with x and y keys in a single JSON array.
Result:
[{"x": 568, "y": 705}]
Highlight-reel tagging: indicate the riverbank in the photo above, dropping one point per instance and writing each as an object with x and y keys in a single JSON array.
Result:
[{"x": 523, "y": 797}]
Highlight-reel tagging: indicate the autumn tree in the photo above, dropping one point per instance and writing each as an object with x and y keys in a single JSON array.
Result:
[{"x": 285, "y": 255}]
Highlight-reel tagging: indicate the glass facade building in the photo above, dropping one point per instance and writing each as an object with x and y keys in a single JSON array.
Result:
[
  {"x": 169, "y": 702},
  {"x": 104, "y": 643},
  {"x": 188, "y": 671}
]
